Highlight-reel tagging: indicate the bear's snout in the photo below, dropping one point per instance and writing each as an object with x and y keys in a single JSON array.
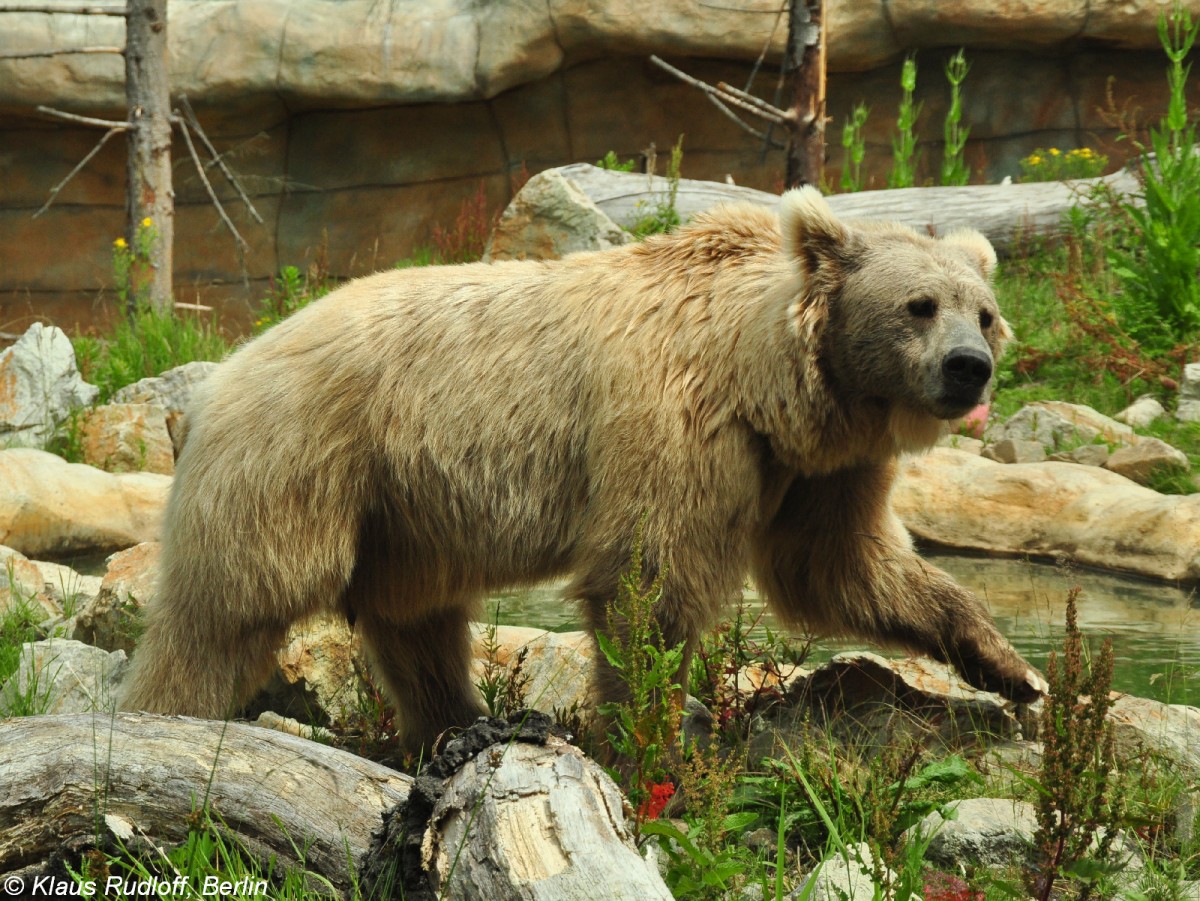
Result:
[{"x": 966, "y": 371}]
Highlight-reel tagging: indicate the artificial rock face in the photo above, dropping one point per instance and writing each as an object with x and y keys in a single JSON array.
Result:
[{"x": 736, "y": 393}]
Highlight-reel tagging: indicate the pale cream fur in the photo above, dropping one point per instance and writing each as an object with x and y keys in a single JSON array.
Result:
[{"x": 421, "y": 437}]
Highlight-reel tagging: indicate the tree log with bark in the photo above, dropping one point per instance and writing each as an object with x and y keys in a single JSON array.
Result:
[
  {"x": 1007, "y": 214},
  {"x": 508, "y": 810}
]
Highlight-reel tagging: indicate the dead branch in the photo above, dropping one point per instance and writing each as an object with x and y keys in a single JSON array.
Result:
[
  {"x": 199, "y": 307},
  {"x": 216, "y": 157},
  {"x": 733, "y": 96},
  {"x": 720, "y": 100},
  {"x": 37, "y": 54},
  {"x": 69, "y": 10},
  {"x": 84, "y": 120},
  {"x": 83, "y": 162},
  {"x": 241, "y": 242}
]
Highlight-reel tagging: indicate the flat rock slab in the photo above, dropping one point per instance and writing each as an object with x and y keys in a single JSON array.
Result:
[
  {"x": 1092, "y": 516},
  {"x": 51, "y": 508}
]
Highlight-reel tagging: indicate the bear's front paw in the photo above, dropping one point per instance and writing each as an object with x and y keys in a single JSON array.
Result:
[{"x": 1011, "y": 678}]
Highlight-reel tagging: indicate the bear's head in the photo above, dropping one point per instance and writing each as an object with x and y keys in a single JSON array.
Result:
[{"x": 904, "y": 320}]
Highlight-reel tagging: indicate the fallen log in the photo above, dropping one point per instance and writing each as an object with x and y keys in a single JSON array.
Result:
[
  {"x": 507, "y": 811},
  {"x": 1007, "y": 214},
  {"x": 63, "y": 776}
]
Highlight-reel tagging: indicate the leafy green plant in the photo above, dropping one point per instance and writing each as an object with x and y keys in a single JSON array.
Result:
[
  {"x": 642, "y": 728},
  {"x": 904, "y": 142},
  {"x": 664, "y": 217},
  {"x": 955, "y": 170},
  {"x": 503, "y": 686},
  {"x": 1054, "y": 165},
  {"x": 1077, "y": 811},
  {"x": 132, "y": 264},
  {"x": 67, "y": 440},
  {"x": 145, "y": 344},
  {"x": 1159, "y": 302},
  {"x": 854, "y": 148},
  {"x": 611, "y": 162},
  {"x": 744, "y": 645}
]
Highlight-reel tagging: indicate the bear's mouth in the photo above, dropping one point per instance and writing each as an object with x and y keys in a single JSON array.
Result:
[{"x": 955, "y": 404}]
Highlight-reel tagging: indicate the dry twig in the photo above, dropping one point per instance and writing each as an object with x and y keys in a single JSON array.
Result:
[
  {"x": 84, "y": 120},
  {"x": 242, "y": 244},
  {"x": 723, "y": 98},
  {"x": 83, "y": 162},
  {"x": 217, "y": 160},
  {"x": 37, "y": 54},
  {"x": 68, "y": 10}
]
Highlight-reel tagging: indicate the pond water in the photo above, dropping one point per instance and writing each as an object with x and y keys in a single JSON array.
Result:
[{"x": 1155, "y": 628}]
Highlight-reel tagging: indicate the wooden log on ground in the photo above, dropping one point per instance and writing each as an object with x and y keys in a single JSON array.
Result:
[
  {"x": 1007, "y": 214},
  {"x": 274, "y": 792},
  {"x": 542, "y": 823},
  {"x": 507, "y": 811}
]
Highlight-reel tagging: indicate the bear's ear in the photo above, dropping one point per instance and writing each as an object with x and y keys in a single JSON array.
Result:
[
  {"x": 977, "y": 247},
  {"x": 812, "y": 235}
]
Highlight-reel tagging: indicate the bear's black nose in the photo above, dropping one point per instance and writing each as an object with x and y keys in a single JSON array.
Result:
[{"x": 966, "y": 368}]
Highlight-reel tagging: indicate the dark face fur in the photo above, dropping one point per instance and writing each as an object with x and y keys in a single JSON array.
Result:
[{"x": 915, "y": 323}]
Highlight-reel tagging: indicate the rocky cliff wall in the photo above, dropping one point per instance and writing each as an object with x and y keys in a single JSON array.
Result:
[{"x": 357, "y": 125}]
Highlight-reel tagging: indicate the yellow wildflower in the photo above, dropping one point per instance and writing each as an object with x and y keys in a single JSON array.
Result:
[
  {"x": 1054, "y": 151},
  {"x": 120, "y": 244},
  {"x": 1035, "y": 160},
  {"x": 147, "y": 222}
]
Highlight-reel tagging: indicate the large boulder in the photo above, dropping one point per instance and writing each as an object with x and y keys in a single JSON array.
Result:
[
  {"x": 112, "y": 619},
  {"x": 39, "y": 386},
  {"x": 51, "y": 508},
  {"x": 128, "y": 438},
  {"x": 1084, "y": 513},
  {"x": 61, "y": 676},
  {"x": 549, "y": 218},
  {"x": 173, "y": 391}
]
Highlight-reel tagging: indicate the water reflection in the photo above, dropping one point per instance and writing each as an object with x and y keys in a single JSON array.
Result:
[{"x": 1155, "y": 628}]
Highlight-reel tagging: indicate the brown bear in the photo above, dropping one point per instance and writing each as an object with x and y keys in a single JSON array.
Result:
[{"x": 738, "y": 391}]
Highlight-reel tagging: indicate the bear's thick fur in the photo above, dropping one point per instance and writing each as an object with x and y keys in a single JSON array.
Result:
[{"x": 418, "y": 438}]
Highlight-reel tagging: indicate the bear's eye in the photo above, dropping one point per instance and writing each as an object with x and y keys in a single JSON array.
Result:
[
  {"x": 985, "y": 320},
  {"x": 925, "y": 308}
]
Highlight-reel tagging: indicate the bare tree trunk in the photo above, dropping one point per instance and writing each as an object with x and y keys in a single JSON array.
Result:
[
  {"x": 806, "y": 62},
  {"x": 150, "y": 195}
]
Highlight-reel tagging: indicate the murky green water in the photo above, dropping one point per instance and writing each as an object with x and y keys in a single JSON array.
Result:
[{"x": 1155, "y": 628}]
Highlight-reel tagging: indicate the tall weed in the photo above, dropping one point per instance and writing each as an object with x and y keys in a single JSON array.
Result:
[{"x": 1157, "y": 264}]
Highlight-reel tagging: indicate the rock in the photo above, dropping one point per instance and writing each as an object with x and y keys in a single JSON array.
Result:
[
  {"x": 270, "y": 720},
  {"x": 871, "y": 700},
  {"x": 39, "y": 386},
  {"x": 1150, "y": 729},
  {"x": 1057, "y": 425},
  {"x": 113, "y": 619},
  {"x": 61, "y": 676},
  {"x": 69, "y": 589},
  {"x": 1147, "y": 458},
  {"x": 989, "y": 832},
  {"x": 22, "y": 584},
  {"x": 847, "y": 875},
  {"x": 173, "y": 391},
  {"x": 51, "y": 508},
  {"x": 1189, "y": 385},
  {"x": 318, "y": 676},
  {"x": 1188, "y": 411},
  {"x": 1084, "y": 455},
  {"x": 1141, "y": 412},
  {"x": 962, "y": 442},
  {"x": 557, "y": 665},
  {"x": 550, "y": 218},
  {"x": 1086, "y": 514},
  {"x": 1014, "y": 450},
  {"x": 128, "y": 438}
]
